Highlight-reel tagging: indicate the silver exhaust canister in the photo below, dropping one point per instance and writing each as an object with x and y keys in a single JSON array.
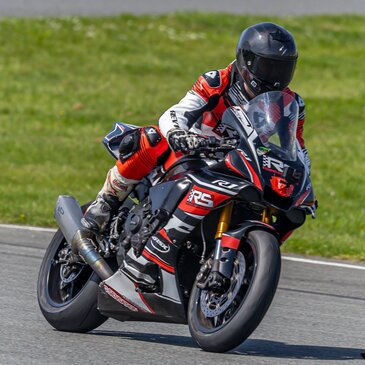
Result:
[{"x": 68, "y": 215}]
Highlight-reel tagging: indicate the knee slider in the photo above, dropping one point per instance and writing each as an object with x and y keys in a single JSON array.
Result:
[{"x": 129, "y": 144}]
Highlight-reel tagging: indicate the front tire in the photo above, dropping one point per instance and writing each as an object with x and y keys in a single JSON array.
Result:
[
  {"x": 67, "y": 295},
  {"x": 220, "y": 322}
]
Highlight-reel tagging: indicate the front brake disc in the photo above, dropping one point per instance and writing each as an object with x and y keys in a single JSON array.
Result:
[{"x": 213, "y": 304}]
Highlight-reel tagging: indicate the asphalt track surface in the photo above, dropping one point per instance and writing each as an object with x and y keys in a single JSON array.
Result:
[
  {"x": 32, "y": 8},
  {"x": 317, "y": 317}
]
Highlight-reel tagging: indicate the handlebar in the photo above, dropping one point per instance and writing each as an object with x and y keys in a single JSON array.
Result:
[{"x": 212, "y": 144}]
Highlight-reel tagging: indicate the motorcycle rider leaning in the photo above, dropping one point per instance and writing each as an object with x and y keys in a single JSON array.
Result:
[{"x": 266, "y": 56}]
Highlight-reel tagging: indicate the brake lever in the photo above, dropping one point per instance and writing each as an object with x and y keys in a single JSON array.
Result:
[{"x": 229, "y": 143}]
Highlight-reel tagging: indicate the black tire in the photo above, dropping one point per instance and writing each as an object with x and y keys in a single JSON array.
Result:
[
  {"x": 79, "y": 312},
  {"x": 263, "y": 264}
]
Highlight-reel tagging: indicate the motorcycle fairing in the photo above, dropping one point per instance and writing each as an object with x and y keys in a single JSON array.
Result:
[
  {"x": 162, "y": 251},
  {"x": 120, "y": 299},
  {"x": 244, "y": 166},
  {"x": 207, "y": 192},
  {"x": 237, "y": 120},
  {"x": 291, "y": 174},
  {"x": 167, "y": 194},
  {"x": 259, "y": 164},
  {"x": 120, "y": 296},
  {"x": 243, "y": 230}
]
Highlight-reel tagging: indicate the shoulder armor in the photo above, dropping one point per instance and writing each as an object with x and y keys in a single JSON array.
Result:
[
  {"x": 299, "y": 100},
  {"x": 213, "y": 78}
]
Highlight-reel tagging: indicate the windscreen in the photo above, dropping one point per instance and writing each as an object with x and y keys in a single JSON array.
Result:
[{"x": 274, "y": 116}]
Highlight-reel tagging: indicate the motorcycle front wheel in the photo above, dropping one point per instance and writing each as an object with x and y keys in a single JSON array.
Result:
[
  {"x": 219, "y": 321},
  {"x": 67, "y": 293}
]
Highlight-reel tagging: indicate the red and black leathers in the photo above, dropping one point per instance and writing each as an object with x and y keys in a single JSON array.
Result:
[{"x": 201, "y": 110}]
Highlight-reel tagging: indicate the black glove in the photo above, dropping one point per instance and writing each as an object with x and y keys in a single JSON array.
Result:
[{"x": 183, "y": 141}]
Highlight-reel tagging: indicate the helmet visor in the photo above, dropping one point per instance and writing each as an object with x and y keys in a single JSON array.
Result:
[{"x": 277, "y": 73}]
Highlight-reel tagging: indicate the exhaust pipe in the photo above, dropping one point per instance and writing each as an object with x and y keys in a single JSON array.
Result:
[{"x": 68, "y": 215}]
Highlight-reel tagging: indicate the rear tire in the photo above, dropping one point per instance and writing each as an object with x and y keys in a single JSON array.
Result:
[
  {"x": 67, "y": 306},
  {"x": 261, "y": 266}
]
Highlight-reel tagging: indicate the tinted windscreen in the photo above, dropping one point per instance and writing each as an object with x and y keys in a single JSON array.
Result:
[{"x": 274, "y": 116}]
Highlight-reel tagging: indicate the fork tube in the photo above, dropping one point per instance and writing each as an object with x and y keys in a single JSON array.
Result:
[
  {"x": 266, "y": 216},
  {"x": 223, "y": 226},
  {"x": 224, "y": 220}
]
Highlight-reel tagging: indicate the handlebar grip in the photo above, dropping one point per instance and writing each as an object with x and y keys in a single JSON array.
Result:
[{"x": 213, "y": 144}]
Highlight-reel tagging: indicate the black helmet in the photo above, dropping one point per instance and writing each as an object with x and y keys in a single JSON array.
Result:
[{"x": 266, "y": 55}]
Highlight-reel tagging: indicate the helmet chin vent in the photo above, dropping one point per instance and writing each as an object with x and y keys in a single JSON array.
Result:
[{"x": 254, "y": 84}]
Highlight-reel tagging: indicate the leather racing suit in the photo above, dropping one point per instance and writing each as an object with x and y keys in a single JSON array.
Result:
[{"x": 202, "y": 108}]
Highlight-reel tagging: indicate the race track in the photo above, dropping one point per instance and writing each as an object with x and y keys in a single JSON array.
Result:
[{"x": 317, "y": 317}]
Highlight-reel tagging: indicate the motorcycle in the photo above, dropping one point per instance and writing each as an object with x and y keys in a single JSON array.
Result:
[{"x": 197, "y": 242}]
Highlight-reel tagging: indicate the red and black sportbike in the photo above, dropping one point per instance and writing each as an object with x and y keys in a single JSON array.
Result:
[{"x": 197, "y": 241}]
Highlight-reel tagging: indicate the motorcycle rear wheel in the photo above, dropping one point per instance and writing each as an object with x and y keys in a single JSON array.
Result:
[
  {"x": 67, "y": 298},
  {"x": 221, "y": 322}
]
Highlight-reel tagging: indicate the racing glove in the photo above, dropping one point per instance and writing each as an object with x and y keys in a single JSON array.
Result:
[{"x": 180, "y": 140}]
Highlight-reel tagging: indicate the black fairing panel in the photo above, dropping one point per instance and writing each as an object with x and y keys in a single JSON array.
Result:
[
  {"x": 238, "y": 122},
  {"x": 168, "y": 194},
  {"x": 183, "y": 166},
  {"x": 249, "y": 226},
  {"x": 219, "y": 182},
  {"x": 232, "y": 123}
]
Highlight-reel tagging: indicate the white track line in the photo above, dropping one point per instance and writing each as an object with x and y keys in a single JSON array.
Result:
[
  {"x": 28, "y": 228},
  {"x": 327, "y": 263},
  {"x": 287, "y": 258}
]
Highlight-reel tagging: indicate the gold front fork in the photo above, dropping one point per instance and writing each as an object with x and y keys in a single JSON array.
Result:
[
  {"x": 267, "y": 216},
  {"x": 224, "y": 220}
]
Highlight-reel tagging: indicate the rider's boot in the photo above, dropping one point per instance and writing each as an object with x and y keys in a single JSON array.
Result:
[{"x": 115, "y": 190}]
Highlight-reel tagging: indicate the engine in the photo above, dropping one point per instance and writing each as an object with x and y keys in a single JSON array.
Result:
[{"x": 136, "y": 230}]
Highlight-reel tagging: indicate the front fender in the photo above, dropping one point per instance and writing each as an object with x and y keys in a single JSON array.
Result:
[
  {"x": 226, "y": 249},
  {"x": 249, "y": 226}
]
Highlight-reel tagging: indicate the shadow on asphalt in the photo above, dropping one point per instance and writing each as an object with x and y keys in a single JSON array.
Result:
[
  {"x": 183, "y": 341},
  {"x": 251, "y": 347},
  {"x": 267, "y": 348}
]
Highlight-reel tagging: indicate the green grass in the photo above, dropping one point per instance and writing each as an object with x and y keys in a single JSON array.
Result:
[{"x": 64, "y": 81}]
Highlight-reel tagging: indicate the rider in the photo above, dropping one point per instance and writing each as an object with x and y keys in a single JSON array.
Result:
[{"x": 266, "y": 56}]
